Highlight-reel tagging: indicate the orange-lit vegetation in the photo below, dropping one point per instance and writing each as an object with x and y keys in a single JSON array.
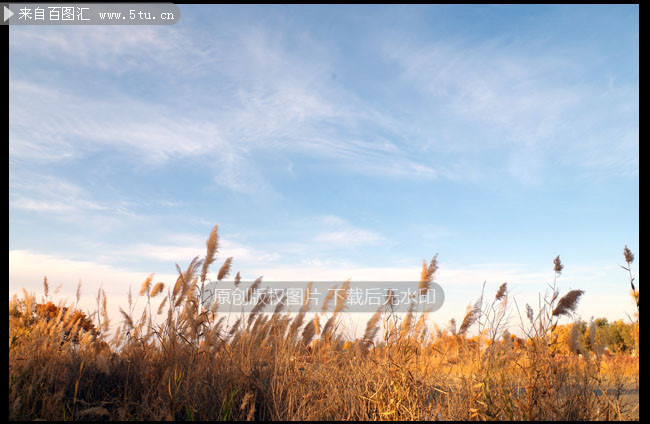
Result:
[{"x": 179, "y": 361}]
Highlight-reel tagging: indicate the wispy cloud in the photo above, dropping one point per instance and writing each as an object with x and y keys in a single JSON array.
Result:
[
  {"x": 115, "y": 49},
  {"x": 45, "y": 193},
  {"x": 184, "y": 253},
  {"x": 351, "y": 237},
  {"x": 85, "y": 124},
  {"x": 536, "y": 106},
  {"x": 491, "y": 83},
  {"x": 282, "y": 104},
  {"x": 335, "y": 231}
]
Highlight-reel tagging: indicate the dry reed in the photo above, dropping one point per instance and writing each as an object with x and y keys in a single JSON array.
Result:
[{"x": 191, "y": 364}]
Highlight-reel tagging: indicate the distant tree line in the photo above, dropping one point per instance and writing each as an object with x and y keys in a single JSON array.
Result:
[{"x": 598, "y": 336}]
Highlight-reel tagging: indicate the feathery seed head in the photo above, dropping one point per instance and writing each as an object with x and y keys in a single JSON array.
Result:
[
  {"x": 146, "y": 285},
  {"x": 557, "y": 265},
  {"x": 501, "y": 292},
  {"x": 629, "y": 256},
  {"x": 157, "y": 289},
  {"x": 225, "y": 269},
  {"x": 568, "y": 303}
]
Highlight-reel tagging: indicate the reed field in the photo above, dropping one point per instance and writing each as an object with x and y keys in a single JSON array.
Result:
[{"x": 178, "y": 360}]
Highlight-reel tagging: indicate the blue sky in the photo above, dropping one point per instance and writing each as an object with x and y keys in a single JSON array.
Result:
[{"x": 331, "y": 142}]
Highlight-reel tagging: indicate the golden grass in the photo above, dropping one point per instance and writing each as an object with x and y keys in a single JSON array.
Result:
[{"x": 188, "y": 364}]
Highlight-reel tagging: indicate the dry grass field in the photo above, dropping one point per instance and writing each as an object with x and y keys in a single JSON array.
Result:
[{"x": 178, "y": 361}]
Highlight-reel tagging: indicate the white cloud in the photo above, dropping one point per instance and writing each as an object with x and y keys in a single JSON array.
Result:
[
  {"x": 489, "y": 83},
  {"x": 182, "y": 248},
  {"x": 116, "y": 49},
  {"x": 184, "y": 253},
  {"x": 65, "y": 126},
  {"x": 536, "y": 107},
  {"x": 86, "y": 123},
  {"x": 332, "y": 220},
  {"x": 269, "y": 98},
  {"x": 339, "y": 233},
  {"x": 350, "y": 237},
  {"x": 44, "y": 193}
]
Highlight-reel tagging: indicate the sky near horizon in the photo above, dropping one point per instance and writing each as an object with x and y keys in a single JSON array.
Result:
[{"x": 331, "y": 142}]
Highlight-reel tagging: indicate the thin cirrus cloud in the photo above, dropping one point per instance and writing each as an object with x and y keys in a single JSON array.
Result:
[
  {"x": 350, "y": 237},
  {"x": 283, "y": 102},
  {"x": 184, "y": 253},
  {"x": 109, "y": 48},
  {"x": 334, "y": 231},
  {"x": 44, "y": 193},
  {"x": 489, "y": 84},
  {"x": 292, "y": 113},
  {"x": 545, "y": 108},
  {"x": 85, "y": 124}
]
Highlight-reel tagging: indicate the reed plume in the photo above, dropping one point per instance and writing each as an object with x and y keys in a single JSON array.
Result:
[
  {"x": 568, "y": 303},
  {"x": 251, "y": 290},
  {"x": 501, "y": 292},
  {"x": 428, "y": 274},
  {"x": 341, "y": 297},
  {"x": 372, "y": 327},
  {"x": 225, "y": 269},
  {"x": 471, "y": 316},
  {"x": 146, "y": 285},
  {"x": 158, "y": 288},
  {"x": 328, "y": 298},
  {"x": 557, "y": 265},
  {"x": 212, "y": 245}
]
